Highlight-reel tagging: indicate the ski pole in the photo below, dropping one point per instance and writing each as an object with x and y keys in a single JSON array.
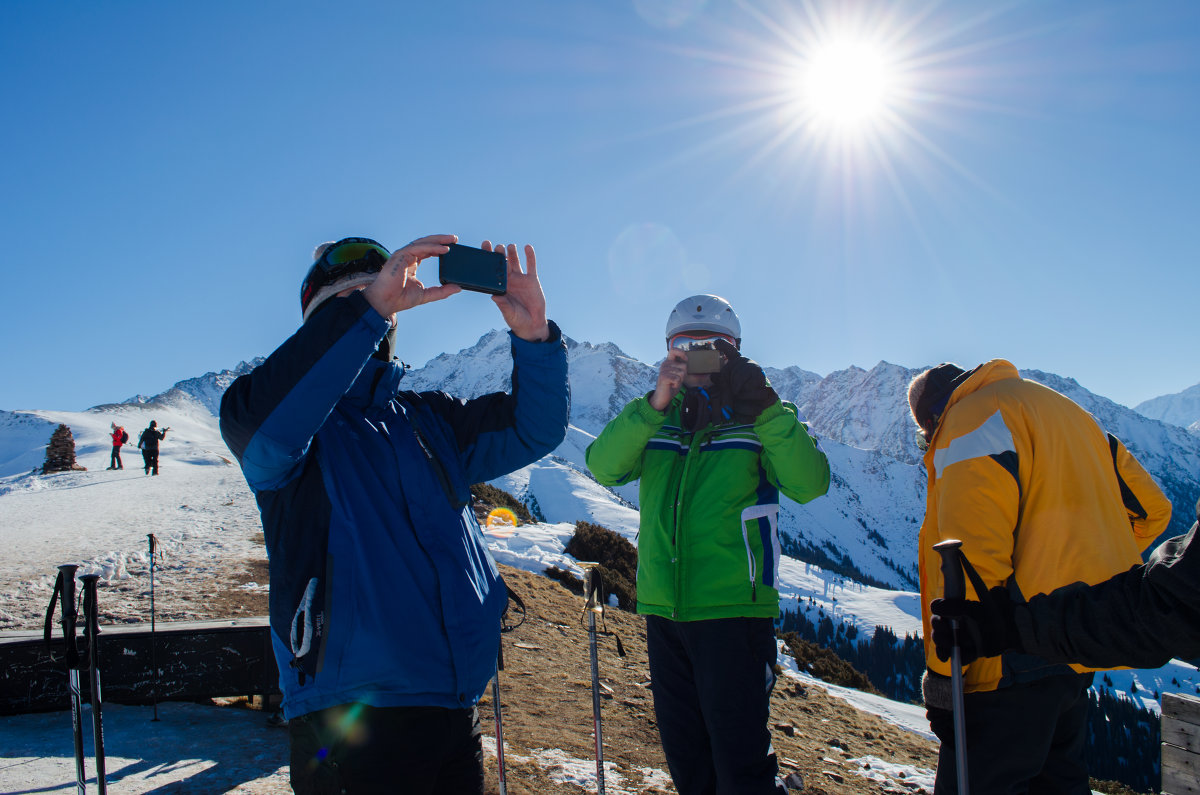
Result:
[
  {"x": 499, "y": 722},
  {"x": 65, "y": 585},
  {"x": 91, "y": 631},
  {"x": 956, "y": 588},
  {"x": 505, "y": 626},
  {"x": 593, "y": 594},
  {"x": 153, "y": 639}
]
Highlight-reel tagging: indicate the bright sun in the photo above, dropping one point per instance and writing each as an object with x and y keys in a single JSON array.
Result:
[{"x": 846, "y": 84}]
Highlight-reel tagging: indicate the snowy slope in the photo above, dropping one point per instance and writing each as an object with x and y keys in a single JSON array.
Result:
[{"x": 1181, "y": 408}]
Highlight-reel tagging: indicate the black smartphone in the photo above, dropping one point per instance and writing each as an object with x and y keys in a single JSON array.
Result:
[
  {"x": 703, "y": 360},
  {"x": 474, "y": 269}
]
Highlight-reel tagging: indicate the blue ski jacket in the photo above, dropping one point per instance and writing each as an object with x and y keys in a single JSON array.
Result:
[{"x": 382, "y": 588}]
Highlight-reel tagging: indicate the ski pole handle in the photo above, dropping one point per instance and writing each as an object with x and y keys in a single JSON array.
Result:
[
  {"x": 592, "y": 588},
  {"x": 69, "y": 614},
  {"x": 153, "y": 544},
  {"x": 91, "y": 620},
  {"x": 954, "y": 586}
]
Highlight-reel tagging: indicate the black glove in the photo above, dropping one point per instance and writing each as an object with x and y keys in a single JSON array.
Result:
[
  {"x": 701, "y": 406},
  {"x": 743, "y": 384},
  {"x": 985, "y": 629}
]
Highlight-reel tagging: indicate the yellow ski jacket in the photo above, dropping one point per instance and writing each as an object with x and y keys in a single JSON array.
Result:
[{"x": 1039, "y": 494}]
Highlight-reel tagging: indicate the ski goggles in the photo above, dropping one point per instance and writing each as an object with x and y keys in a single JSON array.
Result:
[
  {"x": 703, "y": 340},
  {"x": 347, "y": 256}
]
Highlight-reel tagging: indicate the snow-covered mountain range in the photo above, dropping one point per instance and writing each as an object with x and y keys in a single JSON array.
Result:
[
  {"x": 865, "y": 528},
  {"x": 1181, "y": 408}
]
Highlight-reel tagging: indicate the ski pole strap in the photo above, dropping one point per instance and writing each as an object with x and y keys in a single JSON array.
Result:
[
  {"x": 53, "y": 604},
  {"x": 593, "y": 595},
  {"x": 68, "y": 618},
  {"x": 513, "y": 598},
  {"x": 981, "y": 590}
]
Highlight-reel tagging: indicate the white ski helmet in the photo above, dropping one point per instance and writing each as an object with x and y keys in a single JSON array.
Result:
[{"x": 704, "y": 313}]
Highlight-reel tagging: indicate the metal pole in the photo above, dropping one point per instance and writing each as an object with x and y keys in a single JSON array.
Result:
[
  {"x": 594, "y": 605},
  {"x": 153, "y": 637},
  {"x": 955, "y": 588},
  {"x": 91, "y": 631},
  {"x": 499, "y": 723},
  {"x": 69, "y": 616}
]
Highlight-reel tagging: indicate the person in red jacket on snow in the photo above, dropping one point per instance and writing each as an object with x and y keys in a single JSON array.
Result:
[{"x": 119, "y": 437}]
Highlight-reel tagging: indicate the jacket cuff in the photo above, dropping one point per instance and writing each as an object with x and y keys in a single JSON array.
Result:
[
  {"x": 647, "y": 413},
  {"x": 555, "y": 339},
  {"x": 368, "y": 314},
  {"x": 937, "y": 690},
  {"x": 770, "y": 412}
]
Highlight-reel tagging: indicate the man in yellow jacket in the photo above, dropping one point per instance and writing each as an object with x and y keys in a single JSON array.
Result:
[{"x": 1040, "y": 496}]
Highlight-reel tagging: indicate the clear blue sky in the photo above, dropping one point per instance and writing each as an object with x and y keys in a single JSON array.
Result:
[{"x": 1025, "y": 183}]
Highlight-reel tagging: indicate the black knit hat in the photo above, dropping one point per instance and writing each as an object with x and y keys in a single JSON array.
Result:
[{"x": 930, "y": 391}]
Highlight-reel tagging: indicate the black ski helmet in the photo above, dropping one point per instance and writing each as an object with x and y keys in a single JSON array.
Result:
[{"x": 340, "y": 265}]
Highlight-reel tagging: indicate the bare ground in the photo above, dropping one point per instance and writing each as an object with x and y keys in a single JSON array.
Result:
[{"x": 546, "y": 695}]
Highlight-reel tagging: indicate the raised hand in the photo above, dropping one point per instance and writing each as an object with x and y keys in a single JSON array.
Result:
[
  {"x": 670, "y": 379},
  {"x": 397, "y": 287},
  {"x": 523, "y": 305},
  {"x": 744, "y": 384}
]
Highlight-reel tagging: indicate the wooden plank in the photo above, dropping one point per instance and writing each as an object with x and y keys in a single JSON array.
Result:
[
  {"x": 195, "y": 660},
  {"x": 1180, "y": 771},
  {"x": 1180, "y": 734},
  {"x": 1183, "y": 707}
]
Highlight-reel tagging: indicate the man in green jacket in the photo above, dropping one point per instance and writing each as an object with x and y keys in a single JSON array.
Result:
[{"x": 713, "y": 446}]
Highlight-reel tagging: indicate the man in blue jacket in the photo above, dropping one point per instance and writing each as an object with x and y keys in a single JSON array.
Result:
[{"x": 385, "y": 602}]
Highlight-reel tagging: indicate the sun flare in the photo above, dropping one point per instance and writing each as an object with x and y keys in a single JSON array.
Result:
[{"x": 846, "y": 83}]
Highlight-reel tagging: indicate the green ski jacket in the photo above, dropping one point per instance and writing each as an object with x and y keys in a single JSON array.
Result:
[{"x": 708, "y": 546}]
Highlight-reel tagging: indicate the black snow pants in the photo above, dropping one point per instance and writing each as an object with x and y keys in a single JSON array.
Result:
[
  {"x": 358, "y": 749},
  {"x": 1027, "y": 739},
  {"x": 712, "y": 683}
]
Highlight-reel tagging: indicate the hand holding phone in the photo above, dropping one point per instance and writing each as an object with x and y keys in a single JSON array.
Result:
[
  {"x": 523, "y": 304},
  {"x": 397, "y": 287},
  {"x": 474, "y": 269}
]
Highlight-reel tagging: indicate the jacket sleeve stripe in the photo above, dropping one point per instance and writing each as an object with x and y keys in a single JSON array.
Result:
[
  {"x": 1132, "y": 503},
  {"x": 992, "y": 438}
]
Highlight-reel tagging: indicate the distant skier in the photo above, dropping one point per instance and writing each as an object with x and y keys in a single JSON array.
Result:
[
  {"x": 148, "y": 442},
  {"x": 1040, "y": 496},
  {"x": 119, "y": 437},
  {"x": 385, "y": 602},
  {"x": 713, "y": 447}
]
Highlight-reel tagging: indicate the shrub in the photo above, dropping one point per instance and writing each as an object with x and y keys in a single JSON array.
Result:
[
  {"x": 616, "y": 556},
  {"x": 568, "y": 580},
  {"x": 825, "y": 665},
  {"x": 488, "y": 497}
]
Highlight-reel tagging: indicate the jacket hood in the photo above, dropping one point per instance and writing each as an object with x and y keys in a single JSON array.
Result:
[{"x": 986, "y": 373}]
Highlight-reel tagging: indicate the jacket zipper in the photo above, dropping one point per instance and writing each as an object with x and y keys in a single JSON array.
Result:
[
  {"x": 753, "y": 563},
  {"x": 694, "y": 444}
]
